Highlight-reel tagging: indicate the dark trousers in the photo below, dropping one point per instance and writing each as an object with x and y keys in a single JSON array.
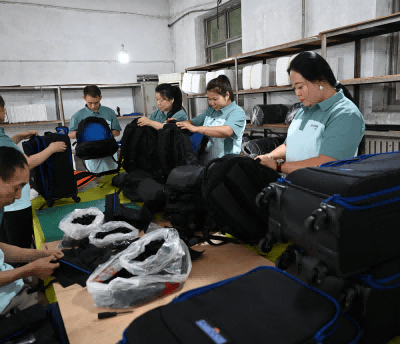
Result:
[{"x": 17, "y": 228}]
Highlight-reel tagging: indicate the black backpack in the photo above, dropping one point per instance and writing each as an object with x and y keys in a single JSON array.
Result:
[
  {"x": 175, "y": 148},
  {"x": 139, "y": 148},
  {"x": 184, "y": 201},
  {"x": 230, "y": 186},
  {"x": 54, "y": 178},
  {"x": 94, "y": 139}
]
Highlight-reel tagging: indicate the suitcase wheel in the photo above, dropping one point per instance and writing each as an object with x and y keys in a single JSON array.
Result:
[
  {"x": 264, "y": 196},
  {"x": 320, "y": 273},
  {"x": 265, "y": 245},
  {"x": 286, "y": 259},
  {"x": 76, "y": 199},
  {"x": 316, "y": 221}
]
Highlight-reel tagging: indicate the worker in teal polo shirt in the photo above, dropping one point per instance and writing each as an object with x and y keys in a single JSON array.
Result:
[
  {"x": 17, "y": 227},
  {"x": 224, "y": 122},
  {"x": 14, "y": 175},
  {"x": 92, "y": 97},
  {"x": 169, "y": 102},
  {"x": 328, "y": 127}
]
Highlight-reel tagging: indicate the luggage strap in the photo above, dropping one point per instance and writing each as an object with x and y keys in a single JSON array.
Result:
[
  {"x": 50, "y": 164},
  {"x": 378, "y": 283},
  {"x": 345, "y": 201}
]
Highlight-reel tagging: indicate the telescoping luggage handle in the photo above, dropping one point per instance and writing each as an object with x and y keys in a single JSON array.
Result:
[{"x": 352, "y": 160}]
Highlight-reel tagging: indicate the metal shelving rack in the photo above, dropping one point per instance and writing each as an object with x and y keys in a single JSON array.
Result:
[
  {"x": 58, "y": 98},
  {"x": 351, "y": 33}
]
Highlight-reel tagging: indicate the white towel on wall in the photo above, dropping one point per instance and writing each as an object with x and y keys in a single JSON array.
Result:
[
  {"x": 198, "y": 84},
  {"x": 27, "y": 113},
  {"x": 246, "y": 77},
  {"x": 259, "y": 76},
  {"x": 187, "y": 83}
]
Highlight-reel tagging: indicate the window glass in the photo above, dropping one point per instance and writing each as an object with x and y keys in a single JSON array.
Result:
[
  {"x": 235, "y": 23},
  {"x": 218, "y": 53},
  {"x": 235, "y": 48},
  {"x": 216, "y": 35}
]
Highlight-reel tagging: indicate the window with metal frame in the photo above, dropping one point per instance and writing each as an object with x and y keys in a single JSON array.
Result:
[{"x": 223, "y": 34}]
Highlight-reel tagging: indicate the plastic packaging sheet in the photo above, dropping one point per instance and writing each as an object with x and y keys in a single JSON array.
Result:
[
  {"x": 169, "y": 267},
  {"x": 79, "y": 231},
  {"x": 257, "y": 116},
  {"x": 114, "y": 238}
]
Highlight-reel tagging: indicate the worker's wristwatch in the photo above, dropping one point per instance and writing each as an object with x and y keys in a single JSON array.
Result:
[{"x": 279, "y": 164}]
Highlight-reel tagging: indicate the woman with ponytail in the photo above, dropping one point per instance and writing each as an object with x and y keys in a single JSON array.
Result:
[
  {"x": 223, "y": 122},
  {"x": 327, "y": 127},
  {"x": 169, "y": 102}
]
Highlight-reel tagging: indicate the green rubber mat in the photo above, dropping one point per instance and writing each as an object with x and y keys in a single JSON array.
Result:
[{"x": 51, "y": 217}]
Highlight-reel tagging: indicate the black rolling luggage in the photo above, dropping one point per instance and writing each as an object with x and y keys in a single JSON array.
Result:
[
  {"x": 345, "y": 213},
  {"x": 265, "y": 305},
  {"x": 371, "y": 298},
  {"x": 54, "y": 178},
  {"x": 230, "y": 186}
]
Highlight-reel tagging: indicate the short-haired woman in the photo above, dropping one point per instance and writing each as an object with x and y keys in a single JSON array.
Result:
[
  {"x": 223, "y": 122},
  {"x": 169, "y": 102},
  {"x": 327, "y": 127}
]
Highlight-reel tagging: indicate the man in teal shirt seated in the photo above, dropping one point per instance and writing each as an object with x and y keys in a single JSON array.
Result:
[
  {"x": 169, "y": 102},
  {"x": 92, "y": 97},
  {"x": 14, "y": 175},
  {"x": 224, "y": 122}
]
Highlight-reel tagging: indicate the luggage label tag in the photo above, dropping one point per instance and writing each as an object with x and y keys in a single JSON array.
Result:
[{"x": 213, "y": 333}]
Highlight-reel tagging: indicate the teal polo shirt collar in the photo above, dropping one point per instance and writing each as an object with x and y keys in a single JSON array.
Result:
[
  {"x": 226, "y": 109},
  {"x": 327, "y": 103},
  {"x": 90, "y": 111}
]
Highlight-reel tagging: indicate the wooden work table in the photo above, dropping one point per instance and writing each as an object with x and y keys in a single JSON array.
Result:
[{"x": 80, "y": 315}]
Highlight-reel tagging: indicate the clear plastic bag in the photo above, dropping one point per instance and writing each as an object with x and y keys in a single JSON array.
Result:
[
  {"x": 257, "y": 116},
  {"x": 79, "y": 231},
  {"x": 115, "y": 238},
  {"x": 292, "y": 112},
  {"x": 157, "y": 275}
]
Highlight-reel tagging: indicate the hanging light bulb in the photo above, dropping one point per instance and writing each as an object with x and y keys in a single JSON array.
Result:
[{"x": 123, "y": 56}]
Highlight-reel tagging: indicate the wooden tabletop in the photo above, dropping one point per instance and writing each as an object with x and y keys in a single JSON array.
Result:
[{"x": 80, "y": 315}]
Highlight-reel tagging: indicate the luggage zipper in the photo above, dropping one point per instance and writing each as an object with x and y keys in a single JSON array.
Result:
[{"x": 351, "y": 160}]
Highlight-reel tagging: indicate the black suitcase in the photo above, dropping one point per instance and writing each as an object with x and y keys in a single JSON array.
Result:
[
  {"x": 265, "y": 305},
  {"x": 346, "y": 213},
  {"x": 268, "y": 114},
  {"x": 371, "y": 298},
  {"x": 230, "y": 185},
  {"x": 53, "y": 179}
]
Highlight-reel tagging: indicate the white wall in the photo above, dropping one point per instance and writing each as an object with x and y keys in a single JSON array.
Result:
[{"x": 83, "y": 43}]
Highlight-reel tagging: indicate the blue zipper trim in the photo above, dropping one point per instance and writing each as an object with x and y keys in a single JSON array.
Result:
[
  {"x": 51, "y": 168},
  {"x": 352, "y": 160},
  {"x": 283, "y": 180},
  {"x": 319, "y": 336},
  {"x": 74, "y": 266},
  {"x": 355, "y": 340},
  {"x": 377, "y": 282},
  {"x": 345, "y": 201},
  {"x": 46, "y": 196},
  {"x": 124, "y": 340},
  {"x": 12, "y": 336}
]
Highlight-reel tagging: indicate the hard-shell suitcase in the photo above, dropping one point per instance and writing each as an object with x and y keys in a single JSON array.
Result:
[
  {"x": 346, "y": 213},
  {"x": 53, "y": 179},
  {"x": 265, "y": 305},
  {"x": 371, "y": 298}
]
